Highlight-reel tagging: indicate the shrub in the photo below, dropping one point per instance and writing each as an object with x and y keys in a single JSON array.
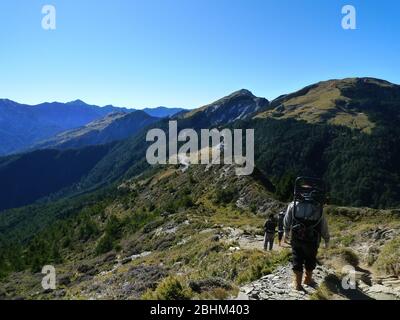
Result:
[
  {"x": 169, "y": 289},
  {"x": 225, "y": 196},
  {"x": 350, "y": 257},
  {"x": 183, "y": 202},
  {"x": 105, "y": 244},
  {"x": 113, "y": 231},
  {"x": 389, "y": 259},
  {"x": 261, "y": 264},
  {"x": 346, "y": 255},
  {"x": 87, "y": 230}
]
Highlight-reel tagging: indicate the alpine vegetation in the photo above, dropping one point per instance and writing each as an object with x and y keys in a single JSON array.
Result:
[{"x": 230, "y": 142}]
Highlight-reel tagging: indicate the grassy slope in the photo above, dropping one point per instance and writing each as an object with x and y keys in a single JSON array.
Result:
[
  {"x": 192, "y": 250},
  {"x": 348, "y": 102}
]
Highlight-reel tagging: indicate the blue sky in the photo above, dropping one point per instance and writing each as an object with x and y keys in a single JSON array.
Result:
[{"x": 187, "y": 53}]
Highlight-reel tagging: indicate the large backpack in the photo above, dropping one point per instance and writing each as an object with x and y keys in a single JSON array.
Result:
[
  {"x": 270, "y": 226},
  {"x": 309, "y": 196}
]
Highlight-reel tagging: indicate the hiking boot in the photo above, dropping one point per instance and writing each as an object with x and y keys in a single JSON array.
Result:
[
  {"x": 298, "y": 276},
  {"x": 308, "y": 280}
]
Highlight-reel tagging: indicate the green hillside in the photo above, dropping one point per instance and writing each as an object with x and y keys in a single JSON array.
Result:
[
  {"x": 358, "y": 103},
  {"x": 178, "y": 235}
]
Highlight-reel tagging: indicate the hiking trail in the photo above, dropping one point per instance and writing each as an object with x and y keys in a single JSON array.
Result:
[{"x": 278, "y": 286}]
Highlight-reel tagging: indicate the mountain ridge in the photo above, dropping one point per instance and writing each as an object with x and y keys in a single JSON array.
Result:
[
  {"x": 22, "y": 125},
  {"x": 113, "y": 127},
  {"x": 347, "y": 102},
  {"x": 126, "y": 157}
]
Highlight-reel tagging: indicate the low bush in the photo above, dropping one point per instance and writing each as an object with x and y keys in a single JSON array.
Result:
[
  {"x": 389, "y": 259},
  {"x": 169, "y": 289}
]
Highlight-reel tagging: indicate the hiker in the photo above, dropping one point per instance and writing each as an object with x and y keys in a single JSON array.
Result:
[
  {"x": 269, "y": 229},
  {"x": 305, "y": 221},
  {"x": 281, "y": 231}
]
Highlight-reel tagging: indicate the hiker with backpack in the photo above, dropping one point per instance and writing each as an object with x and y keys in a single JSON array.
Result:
[
  {"x": 305, "y": 222},
  {"x": 269, "y": 231},
  {"x": 281, "y": 230}
]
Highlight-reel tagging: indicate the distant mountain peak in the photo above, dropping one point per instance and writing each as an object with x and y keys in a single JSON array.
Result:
[
  {"x": 7, "y": 102},
  {"x": 242, "y": 92},
  {"x": 77, "y": 102},
  {"x": 238, "y": 105},
  {"x": 163, "y": 112}
]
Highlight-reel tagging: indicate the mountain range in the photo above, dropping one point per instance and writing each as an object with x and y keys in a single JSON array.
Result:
[
  {"x": 22, "y": 126},
  {"x": 368, "y": 107}
]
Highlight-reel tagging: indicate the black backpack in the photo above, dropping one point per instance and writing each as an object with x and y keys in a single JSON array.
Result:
[
  {"x": 270, "y": 226},
  {"x": 309, "y": 198}
]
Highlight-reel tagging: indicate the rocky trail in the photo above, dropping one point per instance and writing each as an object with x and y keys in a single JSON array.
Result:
[
  {"x": 278, "y": 286},
  {"x": 275, "y": 286},
  {"x": 379, "y": 288},
  {"x": 242, "y": 240}
]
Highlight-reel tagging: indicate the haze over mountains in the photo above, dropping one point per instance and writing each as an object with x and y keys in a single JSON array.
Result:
[{"x": 22, "y": 126}]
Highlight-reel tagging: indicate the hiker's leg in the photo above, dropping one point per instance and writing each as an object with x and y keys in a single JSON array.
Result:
[
  {"x": 310, "y": 263},
  {"x": 310, "y": 257},
  {"x": 298, "y": 261},
  {"x": 298, "y": 276},
  {"x": 297, "y": 257},
  {"x": 271, "y": 241},
  {"x": 265, "y": 241},
  {"x": 280, "y": 237}
]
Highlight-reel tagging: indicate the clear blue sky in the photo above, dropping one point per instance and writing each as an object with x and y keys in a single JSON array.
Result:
[{"x": 186, "y": 53}]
